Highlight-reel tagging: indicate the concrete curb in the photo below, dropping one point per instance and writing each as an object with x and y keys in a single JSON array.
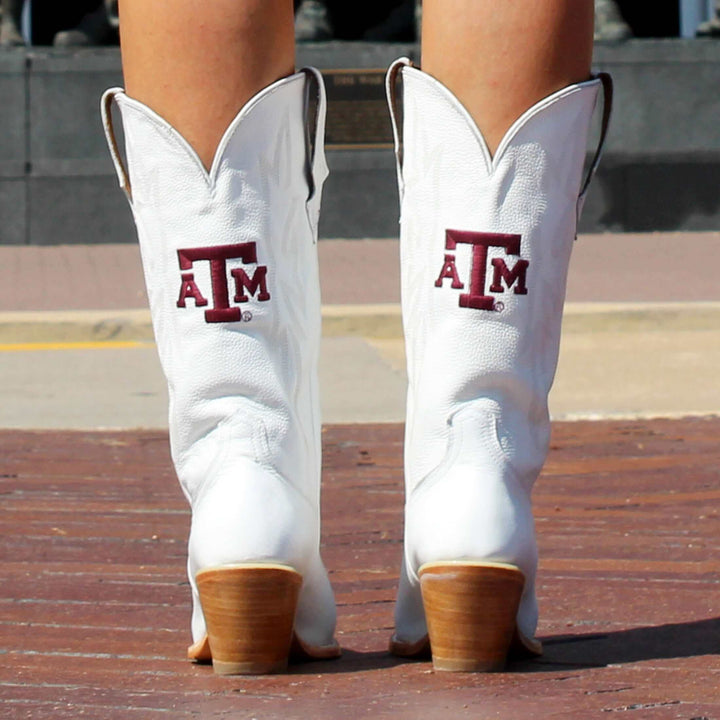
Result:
[
  {"x": 74, "y": 326},
  {"x": 641, "y": 317},
  {"x": 375, "y": 321},
  {"x": 383, "y": 321},
  {"x": 71, "y": 326}
]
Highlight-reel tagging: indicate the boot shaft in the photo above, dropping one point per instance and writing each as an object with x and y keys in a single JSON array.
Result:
[
  {"x": 485, "y": 246},
  {"x": 230, "y": 265}
]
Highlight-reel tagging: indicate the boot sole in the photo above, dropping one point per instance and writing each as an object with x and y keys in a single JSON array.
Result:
[
  {"x": 471, "y": 611},
  {"x": 249, "y": 611}
]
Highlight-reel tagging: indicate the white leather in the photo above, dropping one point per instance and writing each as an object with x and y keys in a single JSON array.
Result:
[
  {"x": 477, "y": 417},
  {"x": 244, "y": 408}
]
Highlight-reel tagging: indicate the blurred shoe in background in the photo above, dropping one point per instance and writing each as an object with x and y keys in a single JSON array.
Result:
[
  {"x": 711, "y": 28},
  {"x": 609, "y": 22},
  {"x": 312, "y": 22},
  {"x": 98, "y": 27},
  {"x": 10, "y": 23}
]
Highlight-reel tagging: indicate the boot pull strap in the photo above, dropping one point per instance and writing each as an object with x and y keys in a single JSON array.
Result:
[
  {"x": 316, "y": 165},
  {"x": 392, "y": 97},
  {"x": 106, "y": 112},
  {"x": 607, "y": 85}
]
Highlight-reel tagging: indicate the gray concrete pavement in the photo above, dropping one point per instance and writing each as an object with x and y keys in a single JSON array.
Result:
[
  {"x": 119, "y": 385},
  {"x": 624, "y": 360}
]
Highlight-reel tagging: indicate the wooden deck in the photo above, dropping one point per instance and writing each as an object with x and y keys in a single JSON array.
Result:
[{"x": 94, "y": 604}]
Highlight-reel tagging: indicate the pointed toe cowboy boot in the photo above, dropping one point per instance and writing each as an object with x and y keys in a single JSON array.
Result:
[
  {"x": 485, "y": 246},
  {"x": 230, "y": 264}
]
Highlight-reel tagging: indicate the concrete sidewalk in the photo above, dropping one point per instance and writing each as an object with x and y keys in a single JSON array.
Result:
[{"x": 641, "y": 333}]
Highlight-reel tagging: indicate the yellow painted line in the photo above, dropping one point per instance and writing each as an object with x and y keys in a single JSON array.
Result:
[{"x": 99, "y": 345}]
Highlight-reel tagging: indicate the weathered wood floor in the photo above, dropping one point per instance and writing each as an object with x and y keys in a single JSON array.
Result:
[{"x": 94, "y": 605}]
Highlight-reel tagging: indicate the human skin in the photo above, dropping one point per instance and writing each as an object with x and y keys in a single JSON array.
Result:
[
  {"x": 196, "y": 64},
  {"x": 500, "y": 58}
]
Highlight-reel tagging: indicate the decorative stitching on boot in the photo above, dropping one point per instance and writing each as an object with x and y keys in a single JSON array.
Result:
[
  {"x": 218, "y": 257},
  {"x": 481, "y": 242}
]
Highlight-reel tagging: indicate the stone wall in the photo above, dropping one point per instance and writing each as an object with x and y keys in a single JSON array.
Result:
[{"x": 661, "y": 170}]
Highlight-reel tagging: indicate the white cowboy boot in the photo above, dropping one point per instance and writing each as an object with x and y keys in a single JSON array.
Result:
[
  {"x": 485, "y": 246},
  {"x": 231, "y": 270}
]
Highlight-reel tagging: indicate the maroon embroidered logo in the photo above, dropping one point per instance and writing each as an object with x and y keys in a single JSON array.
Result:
[
  {"x": 480, "y": 242},
  {"x": 245, "y": 286}
]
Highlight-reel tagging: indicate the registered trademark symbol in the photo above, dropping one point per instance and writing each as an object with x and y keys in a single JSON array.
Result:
[
  {"x": 247, "y": 316},
  {"x": 499, "y": 306}
]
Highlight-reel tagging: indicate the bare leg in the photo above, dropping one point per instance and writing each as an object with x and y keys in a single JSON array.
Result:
[
  {"x": 196, "y": 64},
  {"x": 501, "y": 58}
]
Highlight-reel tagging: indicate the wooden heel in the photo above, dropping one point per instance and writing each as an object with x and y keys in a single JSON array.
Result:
[
  {"x": 471, "y": 611},
  {"x": 249, "y": 612}
]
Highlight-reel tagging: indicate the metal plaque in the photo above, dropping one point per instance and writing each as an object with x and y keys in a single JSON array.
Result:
[{"x": 358, "y": 116}]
